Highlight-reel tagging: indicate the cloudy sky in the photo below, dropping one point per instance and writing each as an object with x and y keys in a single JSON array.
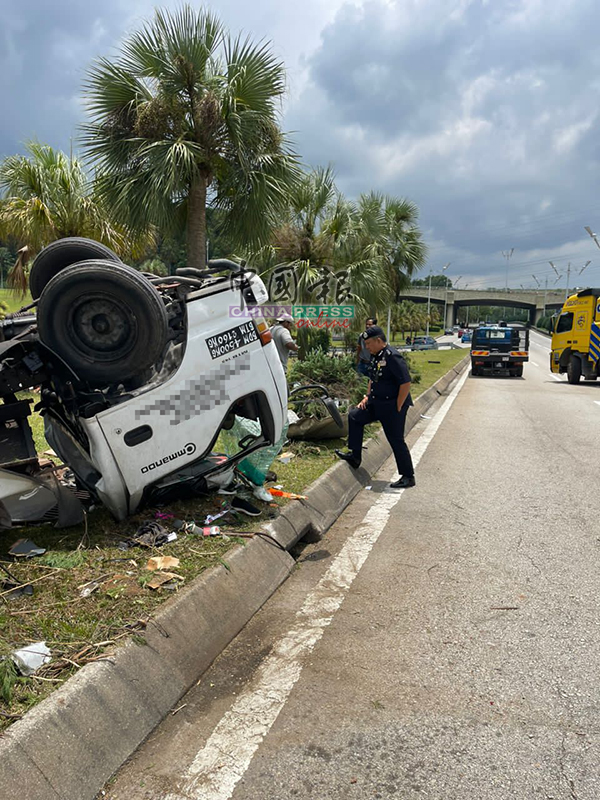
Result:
[{"x": 483, "y": 112}]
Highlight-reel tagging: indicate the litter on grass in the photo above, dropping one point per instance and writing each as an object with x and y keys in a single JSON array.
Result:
[
  {"x": 162, "y": 562},
  {"x": 289, "y": 495},
  {"x": 29, "y": 659},
  {"x": 212, "y": 517},
  {"x": 196, "y": 530},
  {"x": 25, "y": 548},
  {"x": 13, "y": 590},
  {"x": 162, "y": 579},
  {"x": 88, "y": 588},
  {"x": 285, "y": 458}
]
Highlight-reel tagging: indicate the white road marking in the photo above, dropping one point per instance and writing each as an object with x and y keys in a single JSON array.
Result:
[
  {"x": 597, "y": 402},
  {"x": 535, "y": 364},
  {"x": 217, "y": 768}
]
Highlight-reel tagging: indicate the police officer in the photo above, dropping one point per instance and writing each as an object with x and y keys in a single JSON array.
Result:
[{"x": 388, "y": 401}]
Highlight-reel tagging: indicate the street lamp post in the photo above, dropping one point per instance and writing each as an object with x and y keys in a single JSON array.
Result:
[
  {"x": 446, "y": 295},
  {"x": 593, "y": 235},
  {"x": 507, "y": 255},
  {"x": 428, "y": 303},
  {"x": 545, "y": 289},
  {"x": 585, "y": 266}
]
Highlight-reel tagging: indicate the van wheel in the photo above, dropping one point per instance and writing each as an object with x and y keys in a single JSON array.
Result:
[
  {"x": 104, "y": 319},
  {"x": 574, "y": 370},
  {"x": 518, "y": 372},
  {"x": 62, "y": 253}
]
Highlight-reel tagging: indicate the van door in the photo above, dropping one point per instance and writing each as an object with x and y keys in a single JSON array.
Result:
[{"x": 563, "y": 337}]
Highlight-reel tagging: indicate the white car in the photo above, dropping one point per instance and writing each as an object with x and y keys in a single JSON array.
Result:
[{"x": 140, "y": 374}]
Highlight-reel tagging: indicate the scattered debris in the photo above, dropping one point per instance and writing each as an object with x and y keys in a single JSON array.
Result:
[
  {"x": 285, "y": 458},
  {"x": 153, "y": 534},
  {"x": 289, "y": 495},
  {"x": 13, "y": 589},
  {"x": 29, "y": 659},
  {"x": 162, "y": 578},
  {"x": 162, "y": 562},
  {"x": 196, "y": 530},
  {"x": 88, "y": 588},
  {"x": 25, "y": 548},
  {"x": 368, "y": 488},
  {"x": 424, "y": 416},
  {"x": 180, "y": 708},
  {"x": 504, "y": 608},
  {"x": 212, "y": 517},
  {"x": 262, "y": 494}
]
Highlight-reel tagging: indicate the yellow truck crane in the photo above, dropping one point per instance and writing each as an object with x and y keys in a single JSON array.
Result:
[{"x": 576, "y": 337}]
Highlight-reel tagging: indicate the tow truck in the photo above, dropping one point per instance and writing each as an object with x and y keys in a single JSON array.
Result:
[
  {"x": 499, "y": 350},
  {"x": 575, "y": 345}
]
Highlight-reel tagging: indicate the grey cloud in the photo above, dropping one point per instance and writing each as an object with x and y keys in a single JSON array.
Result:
[{"x": 483, "y": 113}]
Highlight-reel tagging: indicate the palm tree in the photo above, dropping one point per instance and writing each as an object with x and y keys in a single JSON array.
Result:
[
  {"x": 187, "y": 115},
  {"x": 47, "y": 195}
]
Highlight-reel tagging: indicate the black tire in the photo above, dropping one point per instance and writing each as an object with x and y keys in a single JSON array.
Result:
[
  {"x": 104, "y": 319},
  {"x": 518, "y": 372},
  {"x": 475, "y": 371},
  {"x": 574, "y": 370},
  {"x": 62, "y": 253}
]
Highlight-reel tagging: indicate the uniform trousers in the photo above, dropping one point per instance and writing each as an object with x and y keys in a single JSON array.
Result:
[{"x": 392, "y": 421}]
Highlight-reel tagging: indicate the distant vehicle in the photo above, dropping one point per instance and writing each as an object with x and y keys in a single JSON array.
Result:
[
  {"x": 466, "y": 337},
  {"x": 575, "y": 345},
  {"x": 449, "y": 331},
  {"x": 460, "y": 332},
  {"x": 424, "y": 343},
  {"x": 499, "y": 349}
]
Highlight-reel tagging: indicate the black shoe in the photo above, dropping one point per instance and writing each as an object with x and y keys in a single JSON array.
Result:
[
  {"x": 349, "y": 457},
  {"x": 244, "y": 507},
  {"x": 405, "y": 482}
]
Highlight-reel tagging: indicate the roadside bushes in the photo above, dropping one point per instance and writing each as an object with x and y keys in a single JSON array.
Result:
[
  {"x": 545, "y": 323},
  {"x": 338, "y": 374}
]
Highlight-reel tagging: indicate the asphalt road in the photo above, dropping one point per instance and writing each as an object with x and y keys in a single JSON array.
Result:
[{"x": 462, "y": 659}]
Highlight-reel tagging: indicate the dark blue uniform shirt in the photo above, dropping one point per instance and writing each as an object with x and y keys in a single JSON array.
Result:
[{"x": 388, "y": 371}]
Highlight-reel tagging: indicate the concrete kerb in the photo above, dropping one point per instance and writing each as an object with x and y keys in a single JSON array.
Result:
[{"x": 68, "y": 746}]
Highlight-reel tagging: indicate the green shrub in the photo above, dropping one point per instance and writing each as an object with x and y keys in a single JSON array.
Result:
[
  {"x": 415, "y": 375},
  {"x": 313, "y": 340},
  {"x": 337, "y": 373}
]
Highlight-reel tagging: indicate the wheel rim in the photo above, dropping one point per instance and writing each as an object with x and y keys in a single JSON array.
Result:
[{"x": 103, "y": 326}]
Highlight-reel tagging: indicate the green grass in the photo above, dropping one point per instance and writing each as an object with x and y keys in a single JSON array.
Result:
[
  {"x": 430, "y": 371},
  {"x": 79, "y": 630},
  {"x": 12, "y": 301}
]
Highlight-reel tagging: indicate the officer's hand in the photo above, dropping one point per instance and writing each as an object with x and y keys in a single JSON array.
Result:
[{"x": 363, "y": 403}]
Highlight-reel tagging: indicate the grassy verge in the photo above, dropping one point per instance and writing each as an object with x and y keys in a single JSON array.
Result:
[
  {"x": 433, "y": 364},
  {"x": 81, "y": 629},
  {"x": 11, "y": 301}
]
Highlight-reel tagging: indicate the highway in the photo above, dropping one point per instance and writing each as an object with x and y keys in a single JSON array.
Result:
[{"x": 441, "y": 642}]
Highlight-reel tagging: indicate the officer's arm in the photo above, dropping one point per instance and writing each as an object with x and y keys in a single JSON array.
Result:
[{"x": 403, "y": 394}]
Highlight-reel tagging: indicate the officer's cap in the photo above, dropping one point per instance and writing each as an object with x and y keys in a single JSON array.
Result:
[{"x": 374, "y": 332}]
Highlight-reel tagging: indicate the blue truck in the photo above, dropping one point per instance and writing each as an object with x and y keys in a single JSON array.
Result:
[{"x": 499, "y": 350}]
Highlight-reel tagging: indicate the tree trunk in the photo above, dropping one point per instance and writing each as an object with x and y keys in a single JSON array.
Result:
[{"x": 196, "y": 224}]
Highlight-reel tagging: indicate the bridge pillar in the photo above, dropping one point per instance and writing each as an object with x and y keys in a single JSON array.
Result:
[
  {"x": 536, "y": 314},
  {"x": 450, "y": 311}
]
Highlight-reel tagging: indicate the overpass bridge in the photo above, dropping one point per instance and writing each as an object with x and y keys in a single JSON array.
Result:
[{"x": 533, "y": 300}]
